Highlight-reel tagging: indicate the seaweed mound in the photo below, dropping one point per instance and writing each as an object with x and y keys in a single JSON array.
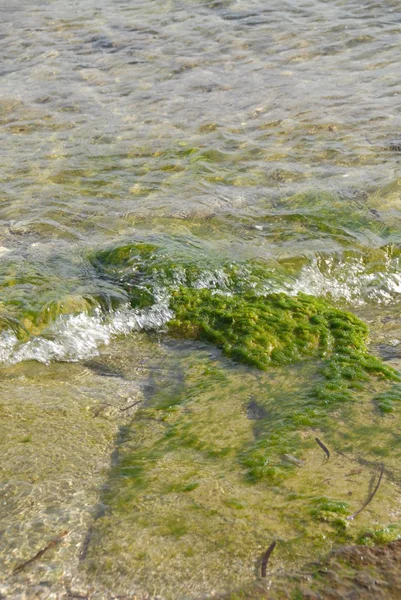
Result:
[
  {"x": 278, "y": 329},
  {"x": 227, "y": 306}
]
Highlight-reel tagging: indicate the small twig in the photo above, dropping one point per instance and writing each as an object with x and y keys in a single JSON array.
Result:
[
  {"x": 371, "y": 495},
  {"x": 54, "y": 542},
  {"x": 130, "y": 406},
  {"x": 323, "y": 447},
  {"x": 265, "y": 559}
]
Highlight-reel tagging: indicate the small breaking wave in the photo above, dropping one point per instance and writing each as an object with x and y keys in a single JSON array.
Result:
[
  {"x": 349, "y": 280},
  {"x": 77, "y": 337},
  {"x": 353, "y": 280}
]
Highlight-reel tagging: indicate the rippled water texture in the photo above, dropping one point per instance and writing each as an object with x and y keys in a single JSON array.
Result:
[
  {"x": 119, "y": 117},
  {"x": 265, "y": 134}
]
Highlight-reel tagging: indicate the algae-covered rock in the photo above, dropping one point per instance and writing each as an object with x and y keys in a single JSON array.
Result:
[
  {"x": 229, "y": 307},
  {"x": 34, "y": 319},
  {"x": 257, "y": 330},
  {"x": 260, "y": 330},
  {"x": 27, "y": 318},
  {"x": 278, "y": 329},
  {"x": 148, "y": 272},
  {"x": 35, "y": 293}
]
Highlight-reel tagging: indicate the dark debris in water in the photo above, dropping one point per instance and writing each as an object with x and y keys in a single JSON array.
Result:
[
  {"x": 265, "y": 559},
  {"x": 255, "y": 411},
  {"x": 370, "y": 496},
  {"x": 323, "y": 447},
  {"x": 395, "y": 145},
  {"x": 52, "y": 544}
]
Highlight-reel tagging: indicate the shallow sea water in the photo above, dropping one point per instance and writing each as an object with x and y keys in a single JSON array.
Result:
[{"x": 222, "y": 132}]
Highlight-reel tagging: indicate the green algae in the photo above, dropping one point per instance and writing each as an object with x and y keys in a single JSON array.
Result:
[
  {"x": 258, "y": 329},
  {"x": 27, "y": 315},
  {"x": 180, "y": 493},
  {"x": 385, "y": 400},
  {"x": 196, "y": 475},
  {"x": 277, "y": 329},
  {"x": 176, "y": 482},
  {"x": 323, "y": 508},
  {"x": 128, "y": 255},
  {"x": 146, "y": 271},
  {"x": 35, "y": 294},
  {"x": 274, "y": 330},
  {"x": 342, "y": 218},
  {"x": 380, "y": 535}
]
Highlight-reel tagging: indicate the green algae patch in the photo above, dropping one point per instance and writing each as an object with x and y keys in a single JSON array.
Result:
[
  {"x": 348, "y": 220},
  {"x": 28, "y": 316},
  {"x": 229, "y": 308},
  {"x": 148, "y": 271},
  {"x": 183, "y": 501},
  {"x": 257, "y": 330},
  {"x": 275, "y": 328},
  {"x": 227, "y": 304},
  {"x": 380, "y": 535},
  {"x": 178, "y": 495},
  {"x": 385, "y": 400}
]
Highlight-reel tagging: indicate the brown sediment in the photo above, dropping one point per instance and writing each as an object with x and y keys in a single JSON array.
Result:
[
  {"x": 371, "y": 496},
  {"x": 265, "y": 559},
  {"x": 323, "y": 447},
  {"x": 54, "y": 542}
]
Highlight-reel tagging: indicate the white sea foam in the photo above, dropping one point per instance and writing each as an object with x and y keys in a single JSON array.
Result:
[
  {"x": 351, "y": 281},
  {"x": 77, "y": 337}
]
